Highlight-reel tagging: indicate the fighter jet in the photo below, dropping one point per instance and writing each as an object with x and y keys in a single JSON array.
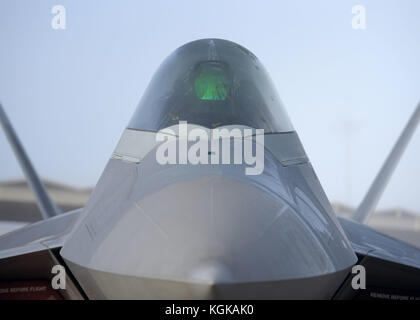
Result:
[{"x": 174, "y": 217}]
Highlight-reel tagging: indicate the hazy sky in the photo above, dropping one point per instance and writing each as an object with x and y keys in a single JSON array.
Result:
[{"x": 70, "y": 93}]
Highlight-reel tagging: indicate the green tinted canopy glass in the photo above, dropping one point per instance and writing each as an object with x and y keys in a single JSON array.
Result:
[{"x": 211, "y": 83}]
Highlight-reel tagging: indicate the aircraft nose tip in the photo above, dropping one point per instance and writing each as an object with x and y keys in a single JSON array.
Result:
[
  {"x": 211, "y": 273},
  {"x": 205, "y": 280}
]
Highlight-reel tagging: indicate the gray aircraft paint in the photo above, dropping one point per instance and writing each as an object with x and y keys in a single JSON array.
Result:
[{"x": 208, "y": 227}]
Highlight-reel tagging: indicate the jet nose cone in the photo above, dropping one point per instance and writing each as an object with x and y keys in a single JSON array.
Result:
[
  {"x": 209, "y": 229},
  {"x": 191, "y": 232},
  {"x": 211, "y": 237}
]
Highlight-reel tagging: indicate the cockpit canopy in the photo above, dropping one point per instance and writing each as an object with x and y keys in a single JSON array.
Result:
[{"x": 212, "y": 83}]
